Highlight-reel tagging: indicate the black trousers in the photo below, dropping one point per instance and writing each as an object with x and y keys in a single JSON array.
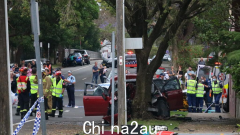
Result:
[
  {"x": 102, "y": 78},
  {"x": 24, "y": 102},
  {"x": 71, "y": 95},
  {"x": 46, "y": 104},
  {"x": 33, "y": 99},
  {"x": 57, "y": 100}
]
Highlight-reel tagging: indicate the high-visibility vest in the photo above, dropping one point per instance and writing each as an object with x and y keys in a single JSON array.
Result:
[
  {"x": 57, "y": 88},
  {"x": 191, "y": 86},
  {"x": 22, "y": 83},
  {"x": 34, "y": 87},
  {"x": 216, "y": 88},
  {"x": 200, "y": 90}
]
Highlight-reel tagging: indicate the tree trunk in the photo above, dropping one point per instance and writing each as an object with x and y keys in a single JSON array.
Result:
[
  {"x": 18, "y": 55},
  {"x": 143, "y": 93},
  {"x": 5, "y": 124}
]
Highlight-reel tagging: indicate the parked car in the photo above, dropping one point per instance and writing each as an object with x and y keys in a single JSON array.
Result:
[
  {"x": 166, "y": 57},
  {"x": 68, "y": 62},
  {"x": 86, "y": 57},
  {"x": 30, "y": 61},
  {"x": 79, "y": 58},
  {"x": 166, "y": 96},
  {"x": 108, "y": 62}
]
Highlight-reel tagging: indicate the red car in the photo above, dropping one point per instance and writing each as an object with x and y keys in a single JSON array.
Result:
[{"x": 166, "y": 96}]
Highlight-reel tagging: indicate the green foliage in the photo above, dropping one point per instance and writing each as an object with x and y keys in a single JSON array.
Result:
[
  {"x": 153, "y": 51},
  {"x": 187, "y": 54},
  {"x": 234, "y": 70},
  {"x": 62, "y": 22}
]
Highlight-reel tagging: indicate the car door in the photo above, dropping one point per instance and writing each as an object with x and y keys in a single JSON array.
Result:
[
  {"x": 174, "y": 94},
  {"x": 94, "y": 104}
]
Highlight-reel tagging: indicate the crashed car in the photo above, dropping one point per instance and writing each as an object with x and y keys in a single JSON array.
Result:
[{"x": 166, "y": 96}]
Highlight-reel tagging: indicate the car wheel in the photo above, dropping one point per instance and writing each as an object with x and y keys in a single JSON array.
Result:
[
  {"x": 74, "y": 64},
  {"x": 81, "y": 63},
  {"x": 163, "y": 109},
  {"x": 88, "y": 61}
]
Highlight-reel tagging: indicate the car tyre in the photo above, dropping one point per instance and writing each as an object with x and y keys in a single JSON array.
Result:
[
  {"x": 88, "y": 62},
  {"x": 163, "y": 109}
]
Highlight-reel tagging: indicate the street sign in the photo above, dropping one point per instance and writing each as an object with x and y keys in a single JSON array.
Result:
[
  {"x": 133, "y": 43},
  {"x": 48, "y": 45},
  {"x": 221, "y": 76},
  {"x": 120, "y": 60}
]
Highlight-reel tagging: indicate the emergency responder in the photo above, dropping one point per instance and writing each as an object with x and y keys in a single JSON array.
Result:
[
  {"x": 208, "y": 94},
  {"x": 217, "y": 91},
  {"x": 34, "y": 89},
  {"x": 199, "y": 96},
  {"x": 49, "y": 66},
  {"x": 58, "y": 90},
  {"x": 23, "y": 87},
  {"x": 46, "y": 90},
  {"x": 70, "y": 81},
  {"x": 191, "y": 93},
  {"x": 18, "y": 105},
  {"x": 51, "y": 89}
]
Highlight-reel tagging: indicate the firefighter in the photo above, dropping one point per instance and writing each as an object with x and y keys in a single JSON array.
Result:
[
  {"x": 191, "y": 93},
  {"x": 18, "y": 105},
  {"x": 23, "y": 87},
  {"x": 34, "y": 89},
  {"x": 199, "y": 96},
  {"x": 46, "y": 90},
  {"x": 50, "y": 93},
  {"x": 58, "y": 90},
  {"x": 217, "y": 91}
]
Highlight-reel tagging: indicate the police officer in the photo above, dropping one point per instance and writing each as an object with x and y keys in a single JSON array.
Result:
[
  {"x": 208, "y": 94},
  {"x": 23, "y": 87},
  {"x": 58, "y": 90},
  {"x": 191, "y": 93},
  {"x": 217, "y": 91},
  {"x": 199, "y": 96},
  {"x": 34, "y": 89},
  {"x": 70, "y": 81}
]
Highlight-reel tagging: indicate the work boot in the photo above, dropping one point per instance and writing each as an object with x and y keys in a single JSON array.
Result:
[
  {"x": 46, "y": 116},
  {"x": 22, "y": 115},
  {"x": 60, "y": 114},
  {"x": 17, "y": 113},
  {"x": 53, "y": 114}
]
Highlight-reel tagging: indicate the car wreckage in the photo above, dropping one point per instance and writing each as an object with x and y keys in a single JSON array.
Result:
[{"x": 166, "y": 96}]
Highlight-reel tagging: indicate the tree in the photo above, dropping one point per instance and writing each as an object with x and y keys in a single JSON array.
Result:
[
  {"x": 164, "y": 18},
  {"x": 5, "y": 125}
]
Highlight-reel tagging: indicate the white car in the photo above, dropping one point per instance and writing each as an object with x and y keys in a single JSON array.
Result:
[{"x": 30, "y": 61}]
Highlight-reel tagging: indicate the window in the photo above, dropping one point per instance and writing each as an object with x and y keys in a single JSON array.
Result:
[
  {"x": 159, "y": 83},
  {"x": 95, "y": 91},
  {"x": 172, "y": 84}
]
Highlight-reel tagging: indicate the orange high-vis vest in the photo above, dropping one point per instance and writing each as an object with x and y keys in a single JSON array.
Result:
[{"x": 22, "y": 84}]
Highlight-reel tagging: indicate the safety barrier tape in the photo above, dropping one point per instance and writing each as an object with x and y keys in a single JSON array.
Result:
[{"x": 37, "y": 119}]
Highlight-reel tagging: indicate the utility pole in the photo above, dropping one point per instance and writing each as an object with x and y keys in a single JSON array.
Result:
[
  {"x": 36, "y": 32},
  {"x": 5, "y": 103},
  {"x": 121, "y": 65}
]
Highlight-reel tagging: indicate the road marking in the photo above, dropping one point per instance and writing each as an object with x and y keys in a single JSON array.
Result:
[
  {"x": 66, "y": 110},
  {"x": 84, "y": 78},
  {"x": 25, "y": 122}
]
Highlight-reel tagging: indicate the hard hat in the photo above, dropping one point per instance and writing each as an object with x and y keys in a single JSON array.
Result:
[{"x": 58, "y": 73}]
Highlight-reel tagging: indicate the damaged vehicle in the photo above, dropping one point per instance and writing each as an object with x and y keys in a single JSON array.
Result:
[{"x": 166, "y": 96}]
